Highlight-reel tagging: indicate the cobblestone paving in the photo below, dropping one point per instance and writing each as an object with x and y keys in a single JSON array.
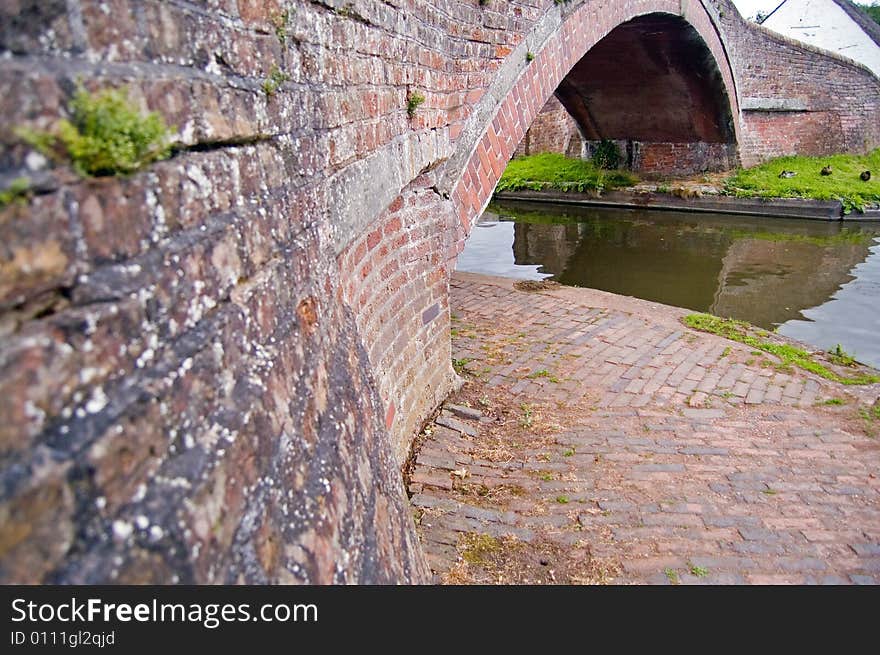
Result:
[{"x": 602, "y": 424}]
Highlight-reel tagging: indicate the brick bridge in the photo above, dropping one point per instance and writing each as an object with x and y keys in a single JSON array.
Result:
[{"x": 211, "y": 371}]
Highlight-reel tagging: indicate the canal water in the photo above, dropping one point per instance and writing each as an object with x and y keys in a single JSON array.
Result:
[{"x": 815, "y": 281}]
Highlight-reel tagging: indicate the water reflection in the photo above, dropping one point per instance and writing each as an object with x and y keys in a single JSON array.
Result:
[
  {"x": 819, "y": 281},
  {"x": 851, "y": 317}
]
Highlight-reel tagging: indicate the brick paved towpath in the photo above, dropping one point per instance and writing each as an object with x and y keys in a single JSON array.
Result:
[{"x": 599, "y": 440}]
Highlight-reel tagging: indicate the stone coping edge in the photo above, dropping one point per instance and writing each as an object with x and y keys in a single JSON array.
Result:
[{"x": 822, "y": 210}]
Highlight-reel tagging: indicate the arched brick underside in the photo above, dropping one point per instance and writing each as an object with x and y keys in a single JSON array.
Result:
[
  {"x": 654, "y": 87},
  {"x": 562, "y": 53},
  {"x": 651, "y": 79}
]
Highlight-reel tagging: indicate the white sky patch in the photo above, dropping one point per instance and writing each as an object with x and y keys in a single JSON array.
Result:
[{"x": 750, "y": 8}]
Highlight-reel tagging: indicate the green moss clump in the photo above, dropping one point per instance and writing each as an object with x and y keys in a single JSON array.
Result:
[
  {"x": 413, "y": 102},
  {"x": 17, "y": 190},
  {"x": 745, "y": 333},
  {"x": 554, "y": 171},
  {"x": 478, "y": 549},
  {"x": 107, "y": 135},
  {"x": 276, "y": 79},
  {"x": 843, "y": 184},
  {"x": 871, "y": 413},
  {"x": 280, "y": 22}
]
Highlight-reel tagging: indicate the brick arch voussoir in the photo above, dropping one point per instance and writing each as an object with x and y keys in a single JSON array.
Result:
[{"x": 528, "y": 92}]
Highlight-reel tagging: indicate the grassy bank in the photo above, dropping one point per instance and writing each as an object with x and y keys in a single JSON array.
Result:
[
  {"x": 555, "y": 171},
  {"x": 843, "y": 184},
  {"x": 788, "y": 354}
]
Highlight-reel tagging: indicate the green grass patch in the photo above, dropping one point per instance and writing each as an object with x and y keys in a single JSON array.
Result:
[
  {"x": 843, "y": 184},
  {"x": 833, "y": 401},
  {"x": 871, "y": 416},
  {"x": 460, "y": 364},
  {"x": 698, "y": 571},
  {"x": 871, "y": 413},
  {"x": 527, "y": 417},
  {"x": 544, "y": 373},
  {"x": 16, "y": 191},
  {"x": 554, "y": 171},
  {"x": 790, "y": 355},
  {"x": 840, "y": 356}
]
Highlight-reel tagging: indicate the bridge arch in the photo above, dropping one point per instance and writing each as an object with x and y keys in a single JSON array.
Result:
[
  {"x": 510, "y": 106},
  {"x": 395, "y": 274}
]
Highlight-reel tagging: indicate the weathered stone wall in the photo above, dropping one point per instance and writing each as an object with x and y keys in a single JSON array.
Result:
[
  {"x": 651, "y": 159},
  {"x": 210, "y": 370},
  {"x": 185, "y": 397}
]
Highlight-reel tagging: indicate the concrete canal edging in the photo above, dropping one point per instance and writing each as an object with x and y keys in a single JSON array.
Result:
[{"x": 823, "y": 210}]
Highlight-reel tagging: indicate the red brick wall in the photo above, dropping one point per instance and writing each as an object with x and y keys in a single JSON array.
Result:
[
  {"x": 553, "y": 130},
  {"x": 787, "y": 133},
  {"x": 682, "y": 158},
  {"x": 395, "y": 278},
  {"x": 796, "y": 98}
]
